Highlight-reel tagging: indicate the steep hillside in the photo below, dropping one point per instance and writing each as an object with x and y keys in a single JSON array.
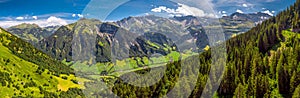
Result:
[
  {"x": 264, "y": 62},
  {"x": 28, "y": 72}
]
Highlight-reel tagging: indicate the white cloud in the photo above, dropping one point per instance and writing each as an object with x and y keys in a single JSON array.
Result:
[
  {"x": 51, "y": 21},
  {"x": 205, "y": 5},
  {"x": 159, "y": 9},
  {"x": 245, "y": 5},
  {"x": 239, "y": 11},
  {"x": 269, "y": 12},
  {"x": 73, "y": 15},
  {"x": 182, "y": 10},
  {"x": 35, "y": 17},
  {"x": 20, "y": 18},
  {"x": 80, "y": 16},
  {"x": 273, "y": 11},
  {"x": 61, "y": 15},
  {"x": 56, "y": 21},
  {"x": 77, "y": 15},
  {"x": 163, "y": 9}
]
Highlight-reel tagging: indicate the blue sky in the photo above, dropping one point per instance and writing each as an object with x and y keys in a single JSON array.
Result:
[
  {"x": 66, "y": 11},
  {"x": 40, "y": 7},
  {"x": 139, "y": 7}
]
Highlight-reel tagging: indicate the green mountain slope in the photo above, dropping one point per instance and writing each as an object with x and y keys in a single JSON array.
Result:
[
  {"x": 28, "y": 72},
  {"x": 264, "y": 62}
]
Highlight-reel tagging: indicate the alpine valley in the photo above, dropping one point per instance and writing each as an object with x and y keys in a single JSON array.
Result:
[{"x": 76, "y": 60}]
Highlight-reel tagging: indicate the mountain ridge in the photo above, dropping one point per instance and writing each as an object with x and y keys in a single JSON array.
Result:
[{"x": 31, "y": 33}]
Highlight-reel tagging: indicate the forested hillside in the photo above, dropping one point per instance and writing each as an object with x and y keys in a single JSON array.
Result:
[{"x": 264, "y": 62}]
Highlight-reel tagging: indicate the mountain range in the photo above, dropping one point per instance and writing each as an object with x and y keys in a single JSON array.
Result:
[
  {"x": 186, "y": 32},
  {"x": 260, "y": 62},
  {"x": 263, "y": 62}
]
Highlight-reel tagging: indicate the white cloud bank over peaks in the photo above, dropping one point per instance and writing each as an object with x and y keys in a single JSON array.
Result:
[
  {"x": 271, "y": 13},
  {"x": 35, "y": 17},
  {"x": 77, "y": 15},
  {"x": 182, "y": 10},
  {"x": 20, "y": 18},
  {"x": 51, "y": 21}
]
